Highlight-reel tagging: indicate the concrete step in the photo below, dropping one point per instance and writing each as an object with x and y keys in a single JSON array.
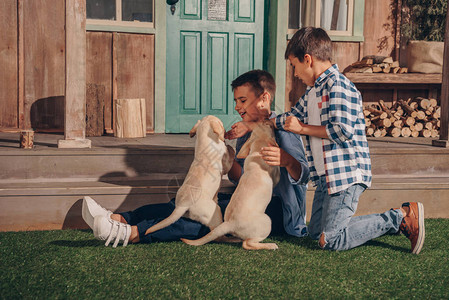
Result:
[{"x": 52, "y": 204}]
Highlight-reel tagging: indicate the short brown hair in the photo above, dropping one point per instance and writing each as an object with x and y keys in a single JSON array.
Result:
[
  {"x": 259, "y": 80},
  {"x": 310, "y": 40}
]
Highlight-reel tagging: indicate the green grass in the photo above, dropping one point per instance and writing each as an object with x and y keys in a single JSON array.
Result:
[{"x": 71, "y": 264}]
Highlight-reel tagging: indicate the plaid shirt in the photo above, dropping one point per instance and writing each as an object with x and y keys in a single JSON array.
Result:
[{"x": 346, "y": 152}]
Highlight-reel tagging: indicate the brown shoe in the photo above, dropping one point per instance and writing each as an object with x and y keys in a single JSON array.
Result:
[{"x": 412, "y": 225}]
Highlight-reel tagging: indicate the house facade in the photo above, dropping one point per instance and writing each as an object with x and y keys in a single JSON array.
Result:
[{"x": 180, "y": 56}]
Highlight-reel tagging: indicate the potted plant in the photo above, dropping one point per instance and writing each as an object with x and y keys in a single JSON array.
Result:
[{"x": 423, "y": 26}]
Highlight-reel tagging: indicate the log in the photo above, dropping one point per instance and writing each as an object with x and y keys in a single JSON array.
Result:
[
  {"x": 421, "y": 115},
  {"x": 383, "y": 123},
  {"x": 437, "y": 113},
  {"x": 406, "y": 132},
  {"x": 419, "y": 126},
  {"x": 398, "y": 123},
  {"x": 385, "y": 108},
  {"x": 27, "y": 139},
  {"x": 406, "y": 107},
  {"x": 369, "y": 131},
  {"x": 377, "y": 133},
  {"x": 424, "y": 103},
  {"x": 388, "y": 60},
  {"x": 415, "y": 133},
  {"x": 433, "y": 102},
  {"x": 410, "y": 121},
  {"x": 367, "y": 122},
  {"x": 394, "y": 132},
  {"x": 434, "y": 133},
  {"x": 130, "y": 118},
  {"x": 425, "y": 133}
]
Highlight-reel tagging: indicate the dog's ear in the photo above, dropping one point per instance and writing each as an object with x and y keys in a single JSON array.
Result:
[
  {"x": 218, "y": 129},
  {"x": 194, "y": 128},
  {"x": 244, "y": 151}
]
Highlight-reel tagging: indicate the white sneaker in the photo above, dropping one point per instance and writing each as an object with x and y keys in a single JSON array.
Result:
[
  {"x": 107, "y": 229},
  {"x": 91, "y": 209}
]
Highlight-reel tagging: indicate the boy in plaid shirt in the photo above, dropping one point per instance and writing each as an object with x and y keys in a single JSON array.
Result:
[{"x": 330, "y": 115}]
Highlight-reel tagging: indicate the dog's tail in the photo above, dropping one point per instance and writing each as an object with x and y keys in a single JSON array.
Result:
[
  {"x": 177, "y": 213},
  {"x": 219, "y": 231}
]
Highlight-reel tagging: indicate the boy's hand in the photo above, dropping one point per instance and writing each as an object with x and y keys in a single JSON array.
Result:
[
  {"x": 239, "y": 129},
  {"x": 293, "y": 124},
  {"x": 275, "y": 156}
]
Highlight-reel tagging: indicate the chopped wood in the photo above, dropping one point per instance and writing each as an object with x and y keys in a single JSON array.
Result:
[
  {"x": 407, "y": 118},
  {"x": 394, "y": 132},
  {"x": 419, "y": 126},
  {"x": 406, "y": 107},
  {"x": 425, "y": 133},
  {"x": 395, "y": 70},
  {"x": 395, "y": 64},
  {"x": 386, "y": 69},
  {"x": 388, "y": 60},
  {"x": 406, "y": 132},
  {"x": 421, "y": 115},
  {"x": 403, "y": 70},
  {"x": 433, "y": 102},
  {"x": 410, "y": 121},
  {"x": 433, "y": 133},
  {"x": 415, "y": 133},
  {"x": 424, "y": 103}
]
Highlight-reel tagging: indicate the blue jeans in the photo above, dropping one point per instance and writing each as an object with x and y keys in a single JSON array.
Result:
[
  {"x": 148, "y": 215},
  {"x": 333, "y": 216}
]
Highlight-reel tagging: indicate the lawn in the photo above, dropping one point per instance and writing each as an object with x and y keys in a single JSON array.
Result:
[{"x": 71, "y": 264}]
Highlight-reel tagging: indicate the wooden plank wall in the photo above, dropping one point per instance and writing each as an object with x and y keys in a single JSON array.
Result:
[
  {"x": 99, "y": 69},
  {"x": 124, "y": 64},
  {"x": 8, "y": 64},
  {"x": 42, "y": 27},
  {"x": 135, "y": 70},
  {"x": 44, "y": 63}
]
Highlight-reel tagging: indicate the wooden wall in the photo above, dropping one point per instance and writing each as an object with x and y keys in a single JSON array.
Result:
[
  {"x": 32, "y": 72},
  {"x": 8, "y": 64},
  {"x": 44, "y": 64},
  {"x": 124, "y": 64}
]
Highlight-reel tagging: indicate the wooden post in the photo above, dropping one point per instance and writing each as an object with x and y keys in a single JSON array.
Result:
[
  {"x": 444, "y": 129},
  {"x": 75, "y": 76},
  {"x": 27, "y": 139}
]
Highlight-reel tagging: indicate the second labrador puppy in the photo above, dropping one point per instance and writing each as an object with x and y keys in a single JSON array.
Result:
[
  {"x": 196, "y": 199},
  {"x": 245, "y": 216}
]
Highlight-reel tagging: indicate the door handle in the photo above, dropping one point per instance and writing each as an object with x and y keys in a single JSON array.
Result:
[{"x": 172, "y": 4}]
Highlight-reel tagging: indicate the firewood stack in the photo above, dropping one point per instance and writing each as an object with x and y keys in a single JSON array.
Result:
[
  {"x": 376, "y": 64},
  {"x": 411, "y": 118}
]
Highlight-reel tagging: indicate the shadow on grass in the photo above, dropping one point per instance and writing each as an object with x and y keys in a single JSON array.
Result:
[
  {"x": 77, "y": 244},
  {"x": 307, "y": 242},
  {"x": 375, "y": 243}
]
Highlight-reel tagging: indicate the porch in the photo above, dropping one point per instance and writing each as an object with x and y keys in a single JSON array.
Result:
[{"x": 42, "y": 188}]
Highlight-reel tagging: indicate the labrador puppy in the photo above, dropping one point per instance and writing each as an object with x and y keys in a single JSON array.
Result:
[
  {"x": 196, "y": 199},
  {"x": 245, "y": 216}
]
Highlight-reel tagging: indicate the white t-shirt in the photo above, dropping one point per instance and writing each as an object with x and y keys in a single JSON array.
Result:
[{"x": 316, "y": 143}]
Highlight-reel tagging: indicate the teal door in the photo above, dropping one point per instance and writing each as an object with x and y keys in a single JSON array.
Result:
[{"x": 209, "y": 43}]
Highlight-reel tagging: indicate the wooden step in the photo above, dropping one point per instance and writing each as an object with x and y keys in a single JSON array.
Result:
[{"x": 34, "y": 205}]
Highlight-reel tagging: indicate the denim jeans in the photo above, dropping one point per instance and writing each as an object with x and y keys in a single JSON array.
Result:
[
  {"x": 333, "y": 216},
  {"x": 148, "y": 215}
]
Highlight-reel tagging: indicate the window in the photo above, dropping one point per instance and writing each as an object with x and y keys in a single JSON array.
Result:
[
  {"x": 340, "y": 18},
  {"x": 132, "y": 13}
]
